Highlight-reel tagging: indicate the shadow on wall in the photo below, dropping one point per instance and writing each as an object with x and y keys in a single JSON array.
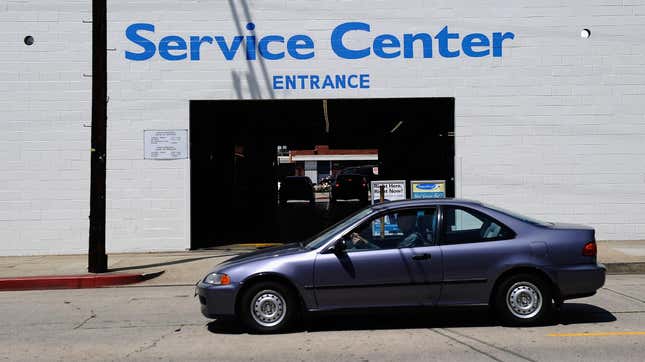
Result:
[
  {"x": 171, "y": 262},
  {"x": 250, "y": 75}
]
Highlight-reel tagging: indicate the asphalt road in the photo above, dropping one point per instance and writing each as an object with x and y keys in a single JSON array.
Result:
[{"x": 164, "y": 323}]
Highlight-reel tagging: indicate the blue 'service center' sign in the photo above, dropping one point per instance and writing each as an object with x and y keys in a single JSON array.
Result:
[{"x": 272, "y": 47}]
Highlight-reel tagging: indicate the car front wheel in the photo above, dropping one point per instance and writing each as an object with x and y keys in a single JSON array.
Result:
[
  {"x": 524, "y": 299},
  {"x": 268, "y": 307}
]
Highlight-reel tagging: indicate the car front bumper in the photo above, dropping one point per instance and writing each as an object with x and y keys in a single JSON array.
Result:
[
  {"x": 579, "y": 281},
  {"x": 217, "y": 301}
]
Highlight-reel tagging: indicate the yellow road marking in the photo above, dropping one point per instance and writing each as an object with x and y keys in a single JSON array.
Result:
[{"x": 596, "y": 334}]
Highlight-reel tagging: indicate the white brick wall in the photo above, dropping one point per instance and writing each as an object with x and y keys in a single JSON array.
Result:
[
  {"x": 44, "y": 144},
  {"x": 553, "y": 129}
]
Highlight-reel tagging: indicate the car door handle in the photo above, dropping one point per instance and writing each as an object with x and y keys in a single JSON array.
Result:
[{"x": 421, "y": 256}]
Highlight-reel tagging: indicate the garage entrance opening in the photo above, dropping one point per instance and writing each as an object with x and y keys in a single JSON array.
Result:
[{"x": 282, "y": 170}]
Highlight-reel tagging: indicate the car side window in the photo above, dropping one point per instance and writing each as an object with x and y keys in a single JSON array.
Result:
[
  {"x": 393, "y": 230},
  {"x": 461, "y": 225}
]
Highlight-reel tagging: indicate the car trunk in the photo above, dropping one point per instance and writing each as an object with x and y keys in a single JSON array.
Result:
[{"x": 566, "y": 247}]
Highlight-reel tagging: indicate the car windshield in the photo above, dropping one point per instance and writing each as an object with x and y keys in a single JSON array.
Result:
[
  {"x": 321, "y": 238},
  {"x": 519, "y": 216}
]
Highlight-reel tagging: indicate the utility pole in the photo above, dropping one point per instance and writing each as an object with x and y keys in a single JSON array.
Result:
[{"x": 97, "y": 259}]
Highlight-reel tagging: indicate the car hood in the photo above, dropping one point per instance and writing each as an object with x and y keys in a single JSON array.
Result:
[{"x": 265, "y": 253}]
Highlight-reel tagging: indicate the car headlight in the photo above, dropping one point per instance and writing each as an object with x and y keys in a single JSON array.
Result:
[{"x": 217, "y": 279}]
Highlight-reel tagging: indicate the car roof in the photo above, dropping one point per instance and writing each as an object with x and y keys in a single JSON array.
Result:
[
  {"x": 360, "y": 166},
  {"x": 357, "y": 169},
  {"x": 346, "y": 175},
  {"x": 424, "y": 202}
]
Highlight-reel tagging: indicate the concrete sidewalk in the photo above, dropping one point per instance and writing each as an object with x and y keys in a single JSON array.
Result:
[
  {"x": 622, "y": 256},
  {"x": 185, "y": 268},
  {"x": 179, "y": 268}
]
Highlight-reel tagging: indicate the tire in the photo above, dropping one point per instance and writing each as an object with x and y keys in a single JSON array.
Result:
[
  {"x": 523, "y": 300},
  {"x": 269, "y": 307}
]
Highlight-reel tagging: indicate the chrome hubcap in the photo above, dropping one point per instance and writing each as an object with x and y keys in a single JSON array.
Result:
[
  {"x": 268, "y": 308},
  {"x": 524, "y": 300}
]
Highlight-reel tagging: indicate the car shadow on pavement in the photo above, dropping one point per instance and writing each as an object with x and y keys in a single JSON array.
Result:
[
  {"x": 579, "y": 313},
  {"x": 570, "y": 313},
  {"x": 402, "y": 319},
  {"x": 226, "y": 326}
]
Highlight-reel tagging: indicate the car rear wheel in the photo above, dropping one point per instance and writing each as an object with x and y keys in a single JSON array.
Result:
[
  {"x": 268, "y": 307},
  {"x": 523, "y": 299}
]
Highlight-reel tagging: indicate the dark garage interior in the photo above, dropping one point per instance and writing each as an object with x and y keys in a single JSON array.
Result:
[{"x": 234, "y": 163}]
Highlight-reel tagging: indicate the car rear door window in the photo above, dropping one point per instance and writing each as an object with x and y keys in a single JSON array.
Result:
[{"x": 462, "y": 225}]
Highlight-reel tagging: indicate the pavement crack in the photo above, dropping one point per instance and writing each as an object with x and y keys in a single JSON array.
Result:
[
  {"x": 92, "y": 316},
  {"x": 148, "y": 346},
  {"x": 467, "y": 345},
  {"x": 154, "y": 342},
  {"x": 493, "y": 346},
  {"x": 145, "y": 326},
  {"x": 624, "y": 295}
]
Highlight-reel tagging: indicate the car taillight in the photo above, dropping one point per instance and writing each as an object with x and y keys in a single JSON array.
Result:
[
  {"x": 337, "y": 184},
  {"x": 590, "y": 249}
]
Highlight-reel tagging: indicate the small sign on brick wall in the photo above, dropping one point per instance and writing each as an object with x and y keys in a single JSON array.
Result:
[{"x": 170, "y": 144}]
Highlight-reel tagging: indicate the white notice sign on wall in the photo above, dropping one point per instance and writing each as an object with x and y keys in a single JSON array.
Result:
[{"x": 169, "y": 144}]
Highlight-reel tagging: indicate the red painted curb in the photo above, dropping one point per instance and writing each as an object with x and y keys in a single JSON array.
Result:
[{"x": 68, "y": 281}]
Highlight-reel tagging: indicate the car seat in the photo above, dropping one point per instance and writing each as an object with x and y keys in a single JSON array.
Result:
[
  {"x": 422, "y": 227},
  {"x": 426, "y": 227},
  {"x": 490, "y": 230}
]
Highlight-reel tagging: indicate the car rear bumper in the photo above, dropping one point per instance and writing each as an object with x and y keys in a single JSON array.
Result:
[
  {"x": 579, "y": 281},
  {"x": 216, "y": 301}
]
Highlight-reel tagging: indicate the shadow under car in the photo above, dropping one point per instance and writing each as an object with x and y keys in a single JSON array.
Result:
[{"x": 415, "y": 318}]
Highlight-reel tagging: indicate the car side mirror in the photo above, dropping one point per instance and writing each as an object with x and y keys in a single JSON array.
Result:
[{"x": 339, "y": 247}]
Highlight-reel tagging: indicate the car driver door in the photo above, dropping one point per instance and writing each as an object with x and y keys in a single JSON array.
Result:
[{"x": 377, "y": 271}]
